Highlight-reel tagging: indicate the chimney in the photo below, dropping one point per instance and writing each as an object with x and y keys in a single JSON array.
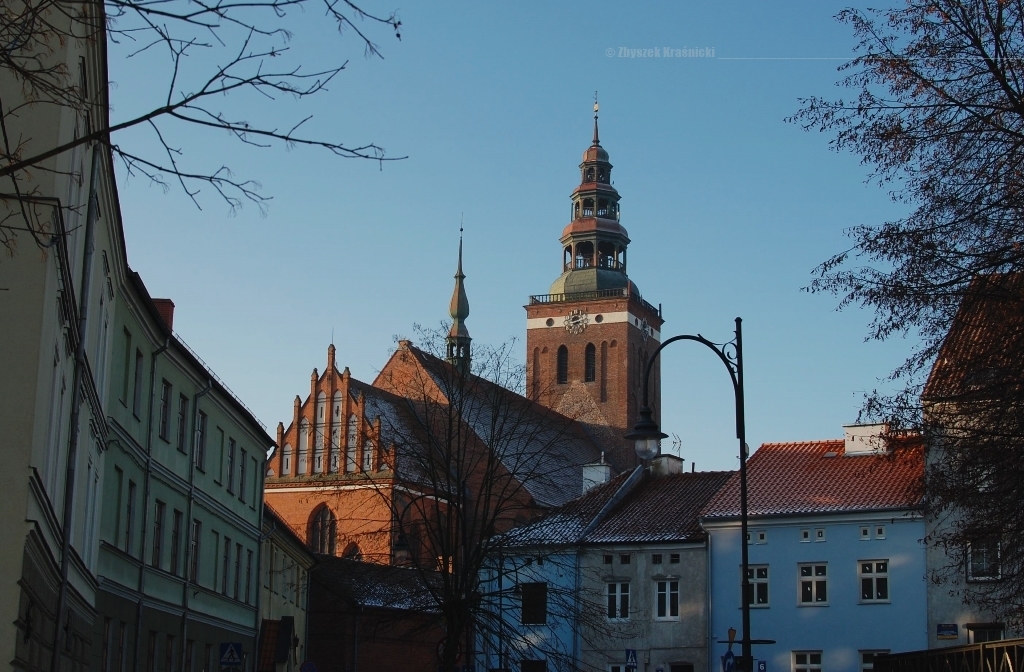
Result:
[
  {"x": 596, "y": 473},
  {"x": 166, "y": 309},
  {"x": 664, "y": 465},
  {"x": 865, "y": 439}
]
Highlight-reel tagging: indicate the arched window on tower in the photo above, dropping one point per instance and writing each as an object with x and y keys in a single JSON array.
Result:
[
  {"x": 590, "y": 363},
  {"x": 588, "y": 207},
  {"x": 590, "y": 174},
  {"x": 576, "y": 210},
  {"x": 563, "y": 364},
  {"x": 584, "y": 254},
  {"x": 602, "y": 207},
  {"x": 323, "y": 531},
  {"x": 600, "y": 175},
  {"x": 567, "y": 259}
]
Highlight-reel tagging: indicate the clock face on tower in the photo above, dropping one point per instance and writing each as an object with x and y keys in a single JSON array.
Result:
[{"x": 576, "y": 321}]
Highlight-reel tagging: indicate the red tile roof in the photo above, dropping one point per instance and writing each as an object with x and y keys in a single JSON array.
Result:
[
  {"x": 983, "y": 349},
  {"x": 817, "y": 477}
]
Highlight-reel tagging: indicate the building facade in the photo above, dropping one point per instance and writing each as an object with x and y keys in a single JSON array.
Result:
[
  {"x": 588, "y": 338},
  {"x": 284, "y": 598},
  {"x": 62, "y": 242},
  {"x": 623, "y": 568},
  {"x": 179, "y": 537},
  {"x": 836, "y": 554}
]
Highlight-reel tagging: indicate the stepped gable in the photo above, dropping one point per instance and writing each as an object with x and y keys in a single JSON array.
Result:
[{"x": 818, "y": 477}]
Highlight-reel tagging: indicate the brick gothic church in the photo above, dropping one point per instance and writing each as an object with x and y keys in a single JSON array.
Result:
[{"x": 586, "y": 342}]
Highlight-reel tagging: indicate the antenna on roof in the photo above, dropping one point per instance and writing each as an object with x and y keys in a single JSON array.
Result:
[{"x": 677, "y": 445}]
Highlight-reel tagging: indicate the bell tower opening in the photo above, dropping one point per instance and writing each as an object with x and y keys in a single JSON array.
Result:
[{"x": 588, "y": 336}]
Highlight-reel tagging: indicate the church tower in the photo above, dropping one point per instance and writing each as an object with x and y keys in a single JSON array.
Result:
[
  {"x": 588, "y": 337},
  {"x": 458, "y": 342}
]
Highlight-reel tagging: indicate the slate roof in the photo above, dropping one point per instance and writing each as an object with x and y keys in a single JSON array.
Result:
[
  {"x": 985, "y": 344},
  {"x": 369, "y": 584},
  {"x": 818, "y": 477},
  {"x": 544, "y": 449},
  {"x": 644, "y": 508}
]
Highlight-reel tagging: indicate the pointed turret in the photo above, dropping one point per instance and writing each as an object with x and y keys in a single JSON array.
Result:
[{"x": 458, "y": 336}]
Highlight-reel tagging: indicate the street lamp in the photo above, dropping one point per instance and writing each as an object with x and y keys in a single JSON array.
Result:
[{"x": 647, "y": 435}]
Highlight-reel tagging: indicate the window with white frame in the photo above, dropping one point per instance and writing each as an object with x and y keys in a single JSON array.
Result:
[
  {"x": 757, "y": 585},
  {"x": 814, "y": 584},
  {"x": 879, "y": 531},
  {"x": 867, "y": 659},
  {"x": 807, "y": 661},
  {"x": 983, "y": 559},
  {"x": 874, "y": 580},
  {"x": 618, "y": 600},
  {"x": 667, "y": 599}
]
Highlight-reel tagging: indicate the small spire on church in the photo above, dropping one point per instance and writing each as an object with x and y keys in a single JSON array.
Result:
[
  {"x": 597, "y": 140},
  {"x": 458, "y": 337}
]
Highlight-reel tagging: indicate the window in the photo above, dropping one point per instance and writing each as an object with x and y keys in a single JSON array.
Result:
[
  {"x": 216, "y": 558},
  {"x": 226, "y": 558},
  {"x": 137, "y": 399},
  {"x": 248, "y": 576},
  {"x": 762, "y": 537},
  {"x": 607, "y": 558},
  {"x": 813, "y": 584},
  {"x": 819, "y": 534},
  {"x": 874, "y": 580},
  {"x": 193, "y": 566},
  {"x": 182, "y": 421},
  {"x": 985, "y": 632},
  {"x": 865, "y": 533},
  {"x": 127, "y": 371},
  {"x": 220, "y": 456},
  {"x": 535, "y": 603},
  {"x": 176, "y": 542},
  {"x": 367, "y": 456},
  {"x": 805, "y": 536},
  {"x": 656, "y": 559},
  {"x": 190, "y": 649},
  {"x": 757, "y": 585},
  {"x": 673, "y": 558},
  {"x": 165, "y": 411},
  {"x": 563, "y": 364},
  {"x": 807, "y": 661},
  {"x": 151, "y": 655},
  {"x": 169, "y": 657},
  {"x": 618, "y": 600},
  {"x": 667, "y": 599},
  {"x": 231, "y": 466},
  {"x": 238, "y": 570},
  {"x": 867, "y": 659},
  {"x": 983, "y": 559},
  {"x": 323, "y": 532},
  {"x": 158, "y": 534},
  {"x": 201, "y": 442},
  {"x": 624, "y": 559},
  {"x": 243, "y": 455},
  {"x": 129, "y": 518},
  {"x": 880, "y": 532},
  {"x": 590, "y": 363}
]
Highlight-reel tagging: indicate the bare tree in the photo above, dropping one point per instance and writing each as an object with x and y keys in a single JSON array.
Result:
[
  {"x": 213, "y": 52},
  {"x": 472, "y": 459},
  {"x": 938, "y": 115}
]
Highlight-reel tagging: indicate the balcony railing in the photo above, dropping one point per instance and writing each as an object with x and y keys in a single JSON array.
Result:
[
  {"x": 580, "y": 263},
  {"x": 590, "y": 296},
  {"x": 1005, "y": 655}
]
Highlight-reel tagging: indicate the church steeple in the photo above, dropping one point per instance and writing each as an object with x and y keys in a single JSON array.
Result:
[
  {"x": 458, "y": 336},
  {"x": 594, "y": 243}
]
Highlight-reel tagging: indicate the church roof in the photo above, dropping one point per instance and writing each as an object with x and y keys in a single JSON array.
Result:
[
  {"x": 369, "y": 584},
  {"x": 542, "y": 448}
]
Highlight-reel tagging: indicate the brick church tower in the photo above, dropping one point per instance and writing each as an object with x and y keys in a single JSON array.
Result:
[{"x": 588, "y": 337}]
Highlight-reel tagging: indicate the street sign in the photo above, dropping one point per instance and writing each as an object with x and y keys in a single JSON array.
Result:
[
  {"x": 631, "y": 658},
  {"x": 762, "y": 666},
  {"x": 728, "y": 662},
  {"x": 947, "y": 631},
  {"x": 230, "y": 656}
]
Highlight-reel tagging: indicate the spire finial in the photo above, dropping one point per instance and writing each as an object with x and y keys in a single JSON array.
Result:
[{"x": 597, "y": 141}]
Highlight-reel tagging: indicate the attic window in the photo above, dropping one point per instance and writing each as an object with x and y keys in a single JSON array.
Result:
[
  {"x": 805, "y": 535},
  {"x": 673, "y": 558},
  {"x": 624, "y": 559},
  {"x": 656, "y": 559},
  {"x": 880, "y": 532},
  {"x": 607, "y": 559},
  {"x": 865, "y": 533}
]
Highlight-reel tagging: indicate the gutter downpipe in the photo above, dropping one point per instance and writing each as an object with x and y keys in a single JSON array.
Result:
[
  {"x": 190, "y": 526},
  {"x": 257, "y": 621},
  {"x": 145, "y": 501},
  {"x": 76, "y": 402}
]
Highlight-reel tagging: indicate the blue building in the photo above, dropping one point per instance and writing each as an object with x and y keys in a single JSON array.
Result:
[
  {"x": 622, "y": 568},
  {"x": 836, "y": 554}
]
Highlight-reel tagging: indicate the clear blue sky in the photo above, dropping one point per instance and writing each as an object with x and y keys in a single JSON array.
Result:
[{"x": 729, "y": 208}]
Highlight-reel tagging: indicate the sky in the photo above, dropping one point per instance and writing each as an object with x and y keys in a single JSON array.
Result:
[{"x": 729, "y": 208}]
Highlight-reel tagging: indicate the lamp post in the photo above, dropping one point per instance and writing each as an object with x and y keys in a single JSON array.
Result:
[{"x": 647, "y": 436}]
